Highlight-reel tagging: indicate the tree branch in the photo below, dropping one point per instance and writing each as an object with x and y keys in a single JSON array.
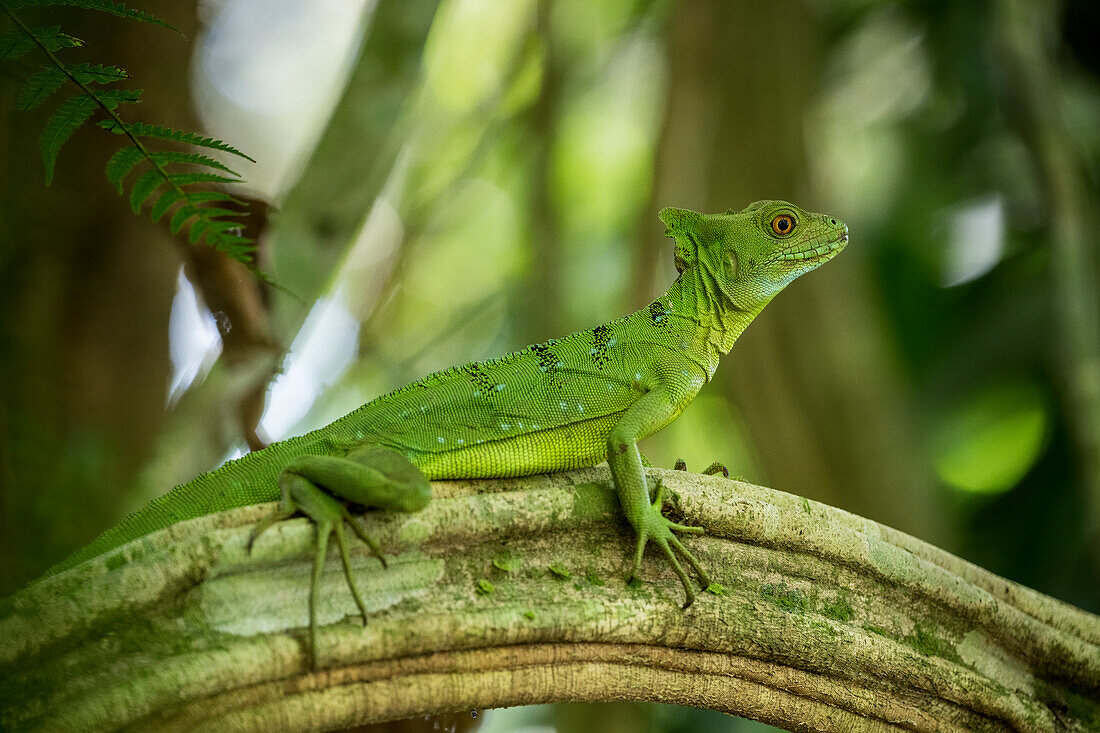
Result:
[{"x": 830, "y": 622}]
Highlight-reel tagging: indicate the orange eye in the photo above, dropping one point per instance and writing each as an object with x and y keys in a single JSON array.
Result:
[{"x": 782, "y": 225}]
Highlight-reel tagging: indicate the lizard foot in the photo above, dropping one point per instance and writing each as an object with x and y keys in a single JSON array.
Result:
[
  {"x": 711, "y": 470},
  {"x": 658, "y": 528},
  {"x": 329, "y": 516}
]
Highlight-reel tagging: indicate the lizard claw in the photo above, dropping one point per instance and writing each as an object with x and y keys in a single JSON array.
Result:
[
  {"x": 657, "y": 527},
  {"x": 716, "y": 468}
]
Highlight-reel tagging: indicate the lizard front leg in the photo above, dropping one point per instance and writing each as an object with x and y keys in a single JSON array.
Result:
[
  {"x": 653, "y": 410},
  {"x": 373, "y": 476}
]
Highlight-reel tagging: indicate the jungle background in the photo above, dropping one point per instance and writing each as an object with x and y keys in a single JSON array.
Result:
[{"x": 443, "y": 182}]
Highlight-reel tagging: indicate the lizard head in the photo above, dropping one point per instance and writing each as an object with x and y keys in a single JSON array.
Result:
[{"x": 752, "y": 254}]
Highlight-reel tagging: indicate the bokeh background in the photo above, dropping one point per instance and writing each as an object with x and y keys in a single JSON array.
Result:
[{"x": 443, "y": 182}]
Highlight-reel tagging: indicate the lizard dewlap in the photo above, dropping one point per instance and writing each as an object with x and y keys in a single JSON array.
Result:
[{"x": 558, "y": 405}]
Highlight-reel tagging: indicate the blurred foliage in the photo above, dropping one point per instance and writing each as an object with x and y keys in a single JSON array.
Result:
[{"x": 490, "y": 177}]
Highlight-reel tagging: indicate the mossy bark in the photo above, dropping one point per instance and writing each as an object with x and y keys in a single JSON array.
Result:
[{"x": 829, "y": 622}]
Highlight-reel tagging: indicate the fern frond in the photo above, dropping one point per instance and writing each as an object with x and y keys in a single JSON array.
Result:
[
  {"x": 121, "y": 163},
  {"x": 214, "y": 211},
  {"x": 182, "y": 214},
  {"x": 144, "y": 186},
  {"x": 15, "y": 43},
  {"x": 39, "y": 87},
  {"x": 141, "y": 129},
  {"x": 236, "y": 246},
  {"x": 105, "y": 6},
  {"x": 112, "y": 98},
  {"x": 186, "y": 179},
  {"x": 180, "y": 156},
  {"x": 205, "y": 196},
  {"x": 173, "y": 196},
  {"x": 165, "y": 202},
  {"x": 220, "y": 226},
  {"x": 98, "y": 74},
  {"x": 72, "y": 113},
  {"x": 213, "y": 224},
  {"x": 212, "y": 229},
  {"x": 200, "y": 226},
  {"x": 210, "y": 223}
]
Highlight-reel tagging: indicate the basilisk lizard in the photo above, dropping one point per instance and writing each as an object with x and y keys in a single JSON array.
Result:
[{"x": 554, "y": 406}]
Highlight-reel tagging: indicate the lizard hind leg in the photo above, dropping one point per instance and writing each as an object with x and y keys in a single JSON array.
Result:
[
  {"x": 373, "y": 476},
  {"x": 329, "y": 515}
]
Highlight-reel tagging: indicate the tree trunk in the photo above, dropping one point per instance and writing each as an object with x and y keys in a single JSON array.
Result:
[{"x": 829, "y": 622}]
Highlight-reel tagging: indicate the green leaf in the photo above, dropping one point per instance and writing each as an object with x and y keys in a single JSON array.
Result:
[
  {"x": 182, "y": 214},
  {"x": 15, "y": 43},
  {"x": 218, "y": 226},
  {"x": 72, "y": 113},
  {"x": 212, "y": 212},
  {"x": 197, "y": 197},
  {"x": 55, "y": 40},
  {"x": 196, "y": 230},
  {"x": 144, "y": 186},
  {"x": 98, "y": 74},
  {"x": 244, "y": 242},
  {"x": 186, "y": 179},
  {"x": 218, "y": 232},
  {"x": 181, "y": 156},
  {"x": 38, "y": 88},
  {"x": 141, "y": 129},
  {"x": 111, "y": 98},
  {"x": 988, "y": 442},
  {"x": 169, "y": 197},
  {"x": 122, "y": 163},
  {"x": 238, "y": 247},
  {"x": 106, "y": 6}
]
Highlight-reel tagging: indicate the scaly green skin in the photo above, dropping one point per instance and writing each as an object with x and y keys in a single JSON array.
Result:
[{"x": 554, "y": 406}]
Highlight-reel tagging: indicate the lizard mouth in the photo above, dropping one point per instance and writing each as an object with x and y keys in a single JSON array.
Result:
[{"x": 822, "y": 251}]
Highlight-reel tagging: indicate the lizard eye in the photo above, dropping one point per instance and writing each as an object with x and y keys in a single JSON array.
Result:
[{"x": 782, "y": 225}]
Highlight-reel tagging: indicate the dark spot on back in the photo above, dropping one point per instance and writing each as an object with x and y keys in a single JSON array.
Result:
[
  {"x": 601, "y": 337},
  {"x": 480, "y": 379},
  {"x": 658, "y": 313},
  {"x": 548, "y": 362}
]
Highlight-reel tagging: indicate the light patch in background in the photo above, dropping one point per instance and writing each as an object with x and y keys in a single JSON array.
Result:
[
  {"x": 522, "y": 719},
  {"x": 267, "y": 75},
  {"x": 602, "y": 171},
  {"x": 193, "y": 340},
  {"x": 468, "y": 48},
  {"x": 975, "y": 241},
  {"x": 709, "y": 430},
  {"x": 989, "y": 441},
  {"x": 323, "y": 349},
  {"x": 879, "y": 75},
  {"x": 237, "y": 451},
  {"x": 602, "y": 157}
]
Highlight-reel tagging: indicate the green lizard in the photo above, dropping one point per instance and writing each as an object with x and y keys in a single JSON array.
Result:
[{"x": 554, "y": 406}]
